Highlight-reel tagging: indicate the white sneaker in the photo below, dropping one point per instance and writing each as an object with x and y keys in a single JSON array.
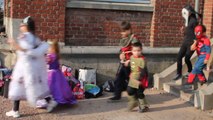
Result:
[
  {"x": 12, "y": 113},
  {"x": 41, "y": 104},
  {"x": 52, "y": 104}
]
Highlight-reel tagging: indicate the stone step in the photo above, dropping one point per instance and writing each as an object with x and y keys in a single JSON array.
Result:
[
  {"x": 169, "y": 73},
  {"x": 204, "y": 97},
  {"x": 176, "y": 88},
  {"x": 201, "y": 98},
  {"x": 166, "y": 75}
]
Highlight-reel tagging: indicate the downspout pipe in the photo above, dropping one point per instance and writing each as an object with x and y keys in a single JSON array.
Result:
[{"x": 197, "y": 6}]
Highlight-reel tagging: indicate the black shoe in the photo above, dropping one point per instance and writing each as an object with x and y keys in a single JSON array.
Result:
[
  {"x": 114, "y": 99},
  {"x": 186, "y": 75},
  {"x": 178, "y": 76},
  {"x": 204, "y": 82}
]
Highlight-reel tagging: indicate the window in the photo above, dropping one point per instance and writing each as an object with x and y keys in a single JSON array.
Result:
[
  {"x": 131, "y": 5},
  {"x": 121, "y": 1}
]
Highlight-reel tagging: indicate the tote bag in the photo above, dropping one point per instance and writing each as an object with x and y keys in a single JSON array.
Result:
[{"x": 87, "y": 75}]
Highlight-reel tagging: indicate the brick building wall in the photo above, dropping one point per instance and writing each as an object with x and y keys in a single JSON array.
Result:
[
  {"x": 88, "y": 27},
  {"x": 98, "y": 27},
  {"x": 48, "y": 14},
  {"x": 208, "y": 16},
  {"x": 167, "y": 21}
]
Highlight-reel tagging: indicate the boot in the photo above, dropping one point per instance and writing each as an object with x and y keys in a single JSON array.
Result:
[
  {"x": 132, "y": 103},
  {"x": 202, "y": 79},
  {"x": 143, "y": 105},
  {"x": 191, "y": 78}
]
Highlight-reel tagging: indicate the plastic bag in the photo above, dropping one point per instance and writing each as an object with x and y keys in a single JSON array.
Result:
[
  {"x": 87, "y": 75},
  {"x": 78, "y": 92},
  {"x": 91, "y": 88}
]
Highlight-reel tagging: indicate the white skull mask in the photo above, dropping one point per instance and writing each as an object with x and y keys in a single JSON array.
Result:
[{"x": 185, "y": 15}]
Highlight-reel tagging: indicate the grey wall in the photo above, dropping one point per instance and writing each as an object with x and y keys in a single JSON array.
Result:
[{"x": 107, "y": 64}]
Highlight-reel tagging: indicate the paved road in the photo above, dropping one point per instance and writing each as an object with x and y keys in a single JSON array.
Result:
[{"x": 163, "y": 107}]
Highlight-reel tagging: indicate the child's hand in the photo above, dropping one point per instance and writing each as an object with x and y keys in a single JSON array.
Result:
[
  {"x": 127, "y": 52},
  {"x": 182, "y": 30},
  {"x": 126, "y": 63},
  {"x": 193, "y": 46},
  {"x": 138, "y": 82},
  {"x": 207, "y": 68},
  {"x": 205, "y": 61},
  {"x": 122, "y": 56},
  {"x": 48, "y": 59},
  {"x": 11, "y": 41}
]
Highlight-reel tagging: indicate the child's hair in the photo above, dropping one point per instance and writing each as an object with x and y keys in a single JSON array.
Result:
[
  {"x": 126, "y": 25},
  {"x": 204, "y": 28},
  {"x": 137, "y": 44},
  {"x": 31, "y": 25},
  {"x": 55, "y": 47}
]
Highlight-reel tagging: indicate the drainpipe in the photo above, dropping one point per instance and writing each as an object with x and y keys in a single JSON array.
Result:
[{"x": 197, "y": 6}]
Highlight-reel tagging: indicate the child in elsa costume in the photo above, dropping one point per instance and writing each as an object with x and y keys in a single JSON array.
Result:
[{"x": 29, "y": 78}]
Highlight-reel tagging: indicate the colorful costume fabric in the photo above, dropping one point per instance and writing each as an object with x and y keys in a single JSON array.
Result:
[
  {"x": 138, "y": 72},
  {"x": 58, "y": 84},
  {"x": 137, "y": 84},
  {"x": 203, "y": 49},
  {"x": 126, "y": 44}
]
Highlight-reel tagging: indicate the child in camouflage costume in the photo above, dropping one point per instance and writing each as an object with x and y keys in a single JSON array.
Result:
[{"x": 138, "y": 79}]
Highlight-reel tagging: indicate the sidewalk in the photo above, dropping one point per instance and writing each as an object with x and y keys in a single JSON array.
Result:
[{"x": 163, "y": 107}]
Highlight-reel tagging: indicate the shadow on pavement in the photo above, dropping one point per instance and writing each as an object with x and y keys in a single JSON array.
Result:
[
  {"x": 90, "y": 106},
  {"x": 171, "y": 107}
]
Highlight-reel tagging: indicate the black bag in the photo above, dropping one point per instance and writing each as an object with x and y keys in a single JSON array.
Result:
[
  {"x": 1, "y": 87},
  {"x": 6, "y": 79},
  {"x": 6, "y": 87},
  {"x": 109, "y": 86}
]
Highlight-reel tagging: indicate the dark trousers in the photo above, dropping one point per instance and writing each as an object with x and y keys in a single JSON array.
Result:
[
  {"x": 16, "y": 105},
  {"x": 186, "y": 52},
  {"x": 122, "y": 79},
  {"x": 138, "y": 93}
]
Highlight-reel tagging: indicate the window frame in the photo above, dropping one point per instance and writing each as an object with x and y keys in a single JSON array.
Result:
[
  {"x": 120, "y": 1},
  {"x": 96, "y": 4}
]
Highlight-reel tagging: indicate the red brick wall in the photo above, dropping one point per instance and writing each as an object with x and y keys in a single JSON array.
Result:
[
  {"x": 93, "y": 27},
  {"x": 208, "y": 17},
  {"x": 48, "y": 14},
  {"x": 87, "y": 27},
  {"x": 167, "y": 21}
]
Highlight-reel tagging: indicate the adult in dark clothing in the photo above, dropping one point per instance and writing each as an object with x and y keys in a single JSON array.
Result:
[{"x": 191, "y": 22}]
